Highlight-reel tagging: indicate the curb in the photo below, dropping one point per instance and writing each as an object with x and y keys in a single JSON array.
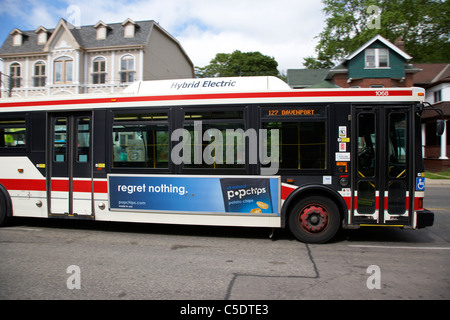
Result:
[{"x": 437, "y": 182}]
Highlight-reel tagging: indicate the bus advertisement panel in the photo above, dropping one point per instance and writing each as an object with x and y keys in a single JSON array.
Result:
[{"x": 255, "y": 195}]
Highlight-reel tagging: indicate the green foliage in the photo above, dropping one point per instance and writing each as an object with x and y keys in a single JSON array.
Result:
[
  {"x": 238, "y": 64},
  {"x": 438, "y": 175},
  {"x": 423, "y": 24}
]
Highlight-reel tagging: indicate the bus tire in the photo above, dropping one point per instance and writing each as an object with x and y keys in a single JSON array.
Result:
[
  {"x": 3, "y": 210},
  {"x": 314, "y": 219}
]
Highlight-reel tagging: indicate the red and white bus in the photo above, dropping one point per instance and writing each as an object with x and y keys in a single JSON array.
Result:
[{"x": 160, "y": 153}]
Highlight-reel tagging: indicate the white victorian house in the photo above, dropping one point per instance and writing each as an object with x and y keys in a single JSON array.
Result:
[{"x": 99, "y": 58}]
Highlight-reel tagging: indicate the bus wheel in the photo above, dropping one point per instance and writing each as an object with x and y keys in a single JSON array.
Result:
[
  {"x": 314, "y": 219},
  {"x": 3, "y": 210}
]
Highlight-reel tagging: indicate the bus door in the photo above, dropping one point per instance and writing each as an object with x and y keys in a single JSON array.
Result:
[
  {"x": 381, "y": 155},
  {"x": 69, "y": 157}
]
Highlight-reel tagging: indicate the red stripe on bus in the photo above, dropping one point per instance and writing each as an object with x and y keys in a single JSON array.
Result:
[
  {"x": 24, "y": 184},
  {"x": 286, "y": 191},
  {"x": 243, "y": 95}
]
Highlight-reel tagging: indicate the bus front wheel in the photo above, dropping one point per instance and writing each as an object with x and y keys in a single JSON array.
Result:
[{"x": 314, "y": 219}]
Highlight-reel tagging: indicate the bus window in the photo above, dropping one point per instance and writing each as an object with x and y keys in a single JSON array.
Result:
[
  {"x": 397, "y": 144},
  {"x": 60, "y": 140},
  {"x": 12, "y": 133},
  {"x": 222, "y": 140},
  {"x": 83, "y": 139},
  {"x": 141, "y": 140},
  {"x": 302, "y": 144},
  {"x": 397, "y": 197},
  {"x": 366, "y": 197},
  {"x": 366, "y": 144}
]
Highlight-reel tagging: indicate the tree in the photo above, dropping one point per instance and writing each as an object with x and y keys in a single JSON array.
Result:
[
  {"x": 422, "y": 24},
  {"x": 239, "y": 64}
]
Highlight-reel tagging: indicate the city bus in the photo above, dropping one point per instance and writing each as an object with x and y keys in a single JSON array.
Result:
[{"x": 245, "y": 151}]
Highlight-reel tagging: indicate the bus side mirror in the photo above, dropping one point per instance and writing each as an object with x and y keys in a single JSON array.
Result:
[{"x": 440, "y": 126}]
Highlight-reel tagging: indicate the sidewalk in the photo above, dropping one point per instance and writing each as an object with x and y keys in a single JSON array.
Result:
[{"x": 437, "y": 182}]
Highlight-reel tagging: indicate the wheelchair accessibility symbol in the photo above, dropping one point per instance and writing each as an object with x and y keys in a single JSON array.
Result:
[{"x": 420, "y": 184}]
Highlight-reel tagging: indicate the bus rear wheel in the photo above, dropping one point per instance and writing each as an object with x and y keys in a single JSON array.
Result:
[
  {"x": 314, "y": 219},
  {"x": 3, "y": 210}
]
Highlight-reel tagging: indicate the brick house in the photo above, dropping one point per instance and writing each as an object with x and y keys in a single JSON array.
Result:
[
  {"x": 377, "y": 64},
  {"x": 100, "y": 58}
]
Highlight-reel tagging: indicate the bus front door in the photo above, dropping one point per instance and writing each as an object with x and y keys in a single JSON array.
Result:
[
  {"x": 69, "y": 156},
  {"x": 381, "y": 156}
]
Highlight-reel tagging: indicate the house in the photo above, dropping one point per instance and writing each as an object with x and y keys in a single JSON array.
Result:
[
  {"x": 435, "y": 78},
  {"x": 376, "y": 64},
  {"x": 100, "y": 58}
]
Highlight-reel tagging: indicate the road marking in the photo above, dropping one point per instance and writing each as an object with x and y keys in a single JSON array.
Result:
[
  {"x": 399, "y": 247},
  {"x": 438, "y": 209}
]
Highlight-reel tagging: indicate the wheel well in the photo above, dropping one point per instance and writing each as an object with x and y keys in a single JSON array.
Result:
[{"x": 304, "y": 192}]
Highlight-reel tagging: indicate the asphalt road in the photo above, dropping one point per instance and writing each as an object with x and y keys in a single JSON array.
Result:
[{"x": 59, "y": 259}]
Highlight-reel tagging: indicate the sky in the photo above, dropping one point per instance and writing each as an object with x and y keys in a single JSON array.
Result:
[{"x": 282, "y": 29}]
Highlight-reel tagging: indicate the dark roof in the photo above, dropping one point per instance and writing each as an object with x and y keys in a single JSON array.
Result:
[
  {"x": 86, "y": 36},
  {"x": 305, "y": 77},
  {"x": 431, "y": 73}
]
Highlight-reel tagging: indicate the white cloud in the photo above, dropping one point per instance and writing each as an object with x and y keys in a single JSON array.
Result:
[{"x": 284, "y": 29}]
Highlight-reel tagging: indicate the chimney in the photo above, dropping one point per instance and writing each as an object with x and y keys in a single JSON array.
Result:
[{"x": 400, "y": 43}]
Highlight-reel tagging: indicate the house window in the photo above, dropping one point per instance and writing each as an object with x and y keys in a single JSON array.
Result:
[
  {"x": 127, "y": 70},
  {"x": 14, "y": 72},
  {"x": 64, "y": 70},
  {"x": 99, "y": 71},
  {"x": 39, "y": 74},
  {"x": 437, "y": 96},
  {"x": 377, "y": 58}
]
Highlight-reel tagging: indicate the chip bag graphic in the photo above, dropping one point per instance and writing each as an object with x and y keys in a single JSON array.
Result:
[{"x": 246, "y": 195}]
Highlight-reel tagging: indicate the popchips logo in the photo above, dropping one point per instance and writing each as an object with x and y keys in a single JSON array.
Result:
[
  {"x": 240, "y": 193},
  {"x": 253, "y": 196}
]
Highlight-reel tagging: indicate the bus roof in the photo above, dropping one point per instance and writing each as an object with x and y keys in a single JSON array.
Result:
[{"x": 236, "y": 90}]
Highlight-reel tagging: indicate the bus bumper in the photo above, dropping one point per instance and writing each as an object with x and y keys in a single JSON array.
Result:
[{"x": 425, "y": 218}]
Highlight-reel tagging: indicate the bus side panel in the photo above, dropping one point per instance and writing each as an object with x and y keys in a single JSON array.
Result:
[{"x": 25, "y": 185}]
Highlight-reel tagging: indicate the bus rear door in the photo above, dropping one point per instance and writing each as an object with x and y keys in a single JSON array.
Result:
[
  {"x": 382, "y": 153},
  {"x": 69, "y": 156}
]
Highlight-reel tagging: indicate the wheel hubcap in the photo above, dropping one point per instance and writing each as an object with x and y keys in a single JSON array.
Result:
[{"x": 314, "y": 218}]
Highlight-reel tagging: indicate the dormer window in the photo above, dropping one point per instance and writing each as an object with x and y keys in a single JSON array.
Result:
[
  {"x": 42, "y": 35},
  {"x": 102, "y": 30},
  {"x": 129, "y": 28},
  {"x": 17, "y": 37},
  {"x": 377, "y": 58}
]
